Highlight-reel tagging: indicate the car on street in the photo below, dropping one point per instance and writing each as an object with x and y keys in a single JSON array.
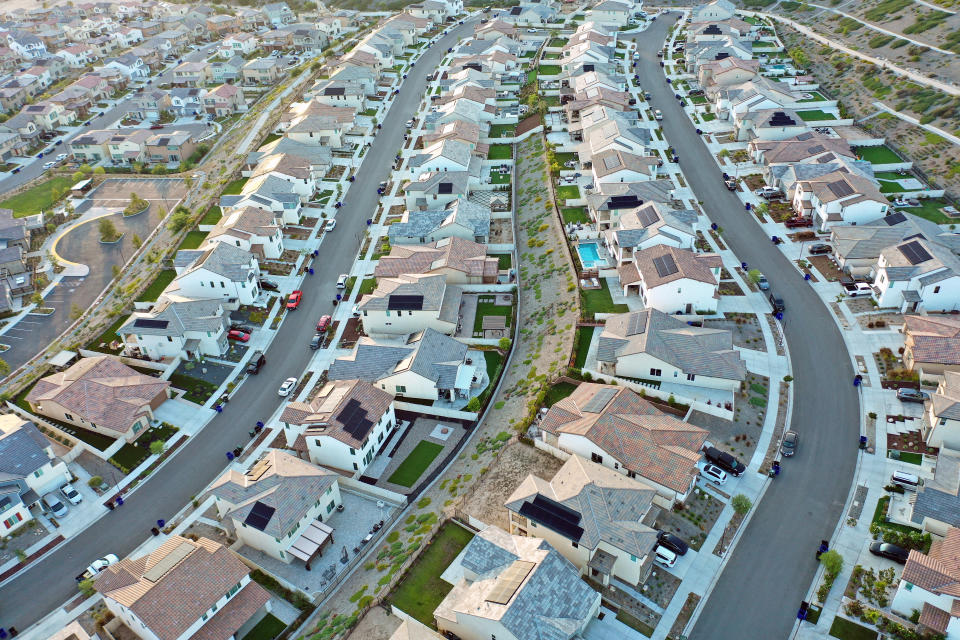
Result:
[
  {"x": 776, "y": 302},
  {"x": 820, "y": 249},
  {"x": 673, "y": 542},
  {"x": 889, "y": 551},
  {"x": 61, "y": 157},
  {"x": 762, "y": 283},
  {"x": 789, "y": 445},
  {"x": 382, "y": 185},
  {"x": 724, "y": 460},
  {"x": 53, "y": 504},
  {"x": 531, "y": 30},
  {"x": 97, "y": 566},
  {"x": 257, "y": 360},
  {"x": 68, "y": 491},
  {"x": 714, "y": 474},
  {"x": 323, "y": 323},
  {"x": 235, "y": 334},
  {"x": 294, "y": 300},
  {"x": 657, "y": 114},
  {"x": 342, "y": 281},
  {"x": 408, "y": 124},
  {"x": 287, "y": 387},
  {"x": 857, "y": 289},
  {"x": 269, "y": 285},
  {"x": 156, "y": 126},
  {"x": 316, "y": 342},
  {"x": 330, "y": 226},
  {"x": 911, "y": 395},
  {"x": 731, "y": 184},
  {"x": 49, "y": 165}
]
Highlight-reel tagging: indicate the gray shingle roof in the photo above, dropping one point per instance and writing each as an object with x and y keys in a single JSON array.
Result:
[
  {"x": 181, "y": 316},
  {"x": 223, "y": 259},
  {"x": 421, "y": 224},
  {"x": 435, "y": 357},
  {"x": 21, "y": 449}
]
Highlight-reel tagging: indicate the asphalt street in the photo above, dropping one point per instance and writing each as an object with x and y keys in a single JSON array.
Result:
[
  {"x": 109, "y": 117},
  {"x": 48, "y": 583},
  {"x": 760, "y": 589}
]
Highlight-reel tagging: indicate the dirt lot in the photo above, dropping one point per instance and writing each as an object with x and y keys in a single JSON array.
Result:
[
  {"x": 514, "y": 463},
  {"x": 376, "y": 624}
]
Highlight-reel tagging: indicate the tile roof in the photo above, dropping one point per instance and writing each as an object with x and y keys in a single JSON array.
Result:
[
  {"x": 939, "y": 570},
  {"x": 436, "y": 294},
  {"x": 868, "y": 240},
  {"x": 643, "y": 439},
  {"x": 237, "y": 612},
  {"x": 933, "y": 339},
  {"x": 101, "y": 390},
  {"x": 694, "y": 266},
  {"x": 453, "y": 253},
  {"x": 462, "y": 212},
  {"x": 324, "y": 416}
]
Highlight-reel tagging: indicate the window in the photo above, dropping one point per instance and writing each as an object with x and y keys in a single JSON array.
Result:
[
  {"x": 331, "y": 506},
  {"x": 691, "y": 377},
  {"x": 908, "y": 586},
  {"x": 596, "y": 458},
  {"x": 12, "y": 520},
  {"x": 575, "y": 545},
  {"x": 633, "y": 558},
  {"x": 38, "y": 473},
  {"x": 68, "y": 416},
  {"x": 936, "y": 289},
  {"x": 401, "y": 389},
  {"x": 631, "y": 474},
  {"x": 655, "y": 372}
]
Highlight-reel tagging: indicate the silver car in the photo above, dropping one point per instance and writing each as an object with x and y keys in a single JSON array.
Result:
[
  {"x": 789, "y": 445},
  {"x": 53, "y": 503}
]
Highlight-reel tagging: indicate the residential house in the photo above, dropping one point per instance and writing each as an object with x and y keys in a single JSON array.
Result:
[
  {"x": 261, "y": 71},
  {"x": 251, "y": 229},
  {"x": 931, "y": 346},
  {"x": 150, "y": 103},
  {"x": 49, "y": 116},
  {"x": 226, "y": 70},
  {"x": 220, "y": 24},
  {"x": 514, "y": 588},
  {"x": 673, "y": 280},
  {"x": 839, "y": 197},
  {"x": 177, "y": 326},
  {"x": 936, "y": 505},
  {"x": 237, "y": 44},
  {"x": 317, "y": 123},
  {"x": 277, "y": 506},
  {"x": 218, "y": 271},
  {"x": 129, "y": 65},
  {"x": 531, "y": 14},
  {"x": 461, "y": 218},
  {"x": 495, "y": 29},
  {"x": 28, "y": 470},
  {"x": 613, "y": 165},
  {"x": 91, "y": 146},
  {"x": 602, "y": 128},
  {"x": 362, "y": 59},
  {"x": 354, "y": 75},
  {"x": 300, "y": 172},
  {"x": 78, "y": 56},
  {"x": 459, "y": 261},
  {"x": 278, "y": 13},
  {"x": 917, "y": 274},
  {"x": 430, "y": 366},
  {"x": 186, "y": 101},
  {"x": 432, "y": 10},
  {"x": 727, "y": 72},
  {"x": 128, "y": 146},
  {"x": 648, "y": 225},
  {"x": 342, "y": 427},
  {"x": 224, "y": 100},
  {"x": 716, "y": 10},
  {"x": 769, "y": 124},
  {"x": 26, "y": 44},
  {"x": 611, "y": 12},
  {"x": 618, "y": 545},
  {"x": 408, "y": 303},
  {"x": 445, "y": 156},
  {"x": 100, "y": 394},
  {"x": 271, "y": 193},
  {"x": 652, "y": 345},
  {"x": 619, "y": 429},
  {"x": 184, "y": 589},
  {"x": 929, "y": 584},
  {"x": 336, "y": 93},
  {"x": 191, "y": 74},
  {"x": 170, "y": 148},
  {"x": 435, "y": 189},
  {"x": 609, "y": 201},
  {"x": 941, "y": 416}
]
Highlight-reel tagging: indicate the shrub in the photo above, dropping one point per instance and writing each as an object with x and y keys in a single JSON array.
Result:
[{"x": 94, "y": 481}]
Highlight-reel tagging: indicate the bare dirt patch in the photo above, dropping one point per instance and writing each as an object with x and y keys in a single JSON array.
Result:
[
  {"x": 376, "y": 624},
  {"x": 745, "y": 327}
]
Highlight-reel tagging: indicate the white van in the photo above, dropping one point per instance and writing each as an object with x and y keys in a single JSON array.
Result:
[
  {"x": 666, "y": 557},
  {"x": 906, "y": 480}
]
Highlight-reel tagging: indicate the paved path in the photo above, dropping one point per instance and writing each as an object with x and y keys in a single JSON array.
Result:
[
  {"x": 932, "y": 129},
  {"x": 896, "y": 34},
  {"x": 773, "y": 564},
  {"x": 49, "y": 582}
]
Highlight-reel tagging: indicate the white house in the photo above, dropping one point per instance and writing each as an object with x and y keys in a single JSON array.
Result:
[
  {"x": 839, "y": 197},
  {"x": 916, "y": 275},
  {"x": 251, "y": 229},
  {"x": 673, "y": 280},
  {"x": 302, "y": 174},
  {"x": 648, "y": 225},
  {"x": 409, "y": 303},
  {"x": 28, "y": 470},
  {"x": 342, "y": 427},
  {"x": 611, "y": 12},
  {"x": 613, "y": 165},
  {"x": 270, "y": 193},
  {"x": 928, "y": 584},
  {"x": 239, "y": 43},
  {"x": 177, "y": 327},
  {"x": 218, "y": 271},
  {"x": 716, "y": 10},
  {"x": 941, "y": 416}
]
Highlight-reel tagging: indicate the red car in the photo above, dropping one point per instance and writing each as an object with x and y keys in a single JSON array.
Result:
[
  {"x": 156, "y": 126},
  {"x": 794, "y": 223},
  {"x": 235, "y": 334},
  {"x": 323, "y": 324},
  {"x": 294, "y": 300}
]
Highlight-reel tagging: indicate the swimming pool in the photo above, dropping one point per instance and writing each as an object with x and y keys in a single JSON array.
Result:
[{"x": 590, "y": 255}]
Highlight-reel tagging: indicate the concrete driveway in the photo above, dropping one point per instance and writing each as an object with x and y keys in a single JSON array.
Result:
[
  {"x": 772, "y": 566},
  {"x": 48, "y": 583}
]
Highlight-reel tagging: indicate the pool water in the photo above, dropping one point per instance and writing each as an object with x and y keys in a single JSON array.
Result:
[{"x": 590, "y": 255}]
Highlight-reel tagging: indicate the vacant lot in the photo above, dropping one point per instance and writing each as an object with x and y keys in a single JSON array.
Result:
[{"x": 38, "y": 198}]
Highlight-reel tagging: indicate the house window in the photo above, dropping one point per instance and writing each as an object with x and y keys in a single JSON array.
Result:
[
  {"x": 353, "y": 451},
  {"x": 691, "y": 377},
  {"x": 331, "y": 506},
  {"x": 38, "y": 473},
  {"x": 12, "y": 520},
  {"x": 68, "y": 416},
  {"x": 633, "y": 558},
  {"x": 596, "y": 458},
  {"x": 401, "y": 389},
  {"x": 655, "y": 372},
  {"x": 631, "y": 474},
  {"x": 936, "y": 289},
  {"x": 908, "y": 586}
]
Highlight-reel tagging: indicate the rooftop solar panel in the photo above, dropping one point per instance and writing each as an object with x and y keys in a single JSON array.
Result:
[
  {"x": 600, "y": 400},
  {"x": 588, "y": 68},
  {"x": 509, "y": 581},
  {"x": 914, "y": 252},
  {"x": 148, "y": 323},
  {"x": 624, "y": 202},
  {"x": 259, "y": 516},
  {"x": 445, "y": 187},
  {"x": 665, "y": 266},
  {"x": 895, "y": 218},
  {"x": 648, "y": 216},
  {"x": 542, "y": 512},
  {"x": 405, "y": 303},
  {"x": 840, "y": 188}
]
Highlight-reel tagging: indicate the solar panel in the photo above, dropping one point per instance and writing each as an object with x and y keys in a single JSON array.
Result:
[
  {"x": 168, "y": 562},
  {"x": 895, "y": 218},
  {"x": 147, "y": 323},
  {"x": 553, "y": 516},
  {"x": 713, "y": 30},
  {"x": 354, "y": 419},
  {"x": 445, "y": 187},
  {"x": 259, "y": 516},
  {"x": 333, "y": 91},
  {"x": 648, "y": 216},
  {"x": 637, "y": 323},
  {"x": 624, "y": 202},
  {"x": 515, "y": 11},
  {"x": 588, "y": 68},
  {"x": 840, "y": 188},
  {"x": 600, "y": 400},
  {"x": 817, "y": 148},
  {"x": 509, "y": 581},
  {"x": 722, "y": 56},
  {"x": 914, "y": 252},
  {"x": 405, "y": 303},
  {"x": 611, "y": 162},
  {"x": 780, "y": 119},
  {"x": 665, "y": 266}
]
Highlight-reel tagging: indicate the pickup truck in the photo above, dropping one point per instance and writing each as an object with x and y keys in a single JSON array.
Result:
[
  {"x": 768, "y": 193},
  {"x": 855, "y": 289},
  {"x": 97, "y": 566},
  {"x": 794, "y": 223},
  {"x": 731, "y": 184}
]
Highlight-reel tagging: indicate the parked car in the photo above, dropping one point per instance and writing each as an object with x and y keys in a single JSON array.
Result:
[
  {"x": 331, "y": 225},
  {"x": 257, "y": 360},
  {"x": 294, "y": 300},
  {"x": 777, "y": 303},
  {"x": 342, "y": 281},
  {"x": 789, "y": 445},
  {"x": 61, "y": 157},
  {"x": 316, "y": 342},
  {"x": 714, "y": 474},
  {"x": 408, "y": 124},
  {"x": 97, "y": 566},
  {"x": 768, "y": 192},
  {"x": 724, "y": 460},
  {"x": 49, "y": 165},
  {"x": 799, "y": 221},
  {"x": 657, "y": 114},
  {"x": 52, "y": 503},
  {"x": 382, "y": 185},
  {"x": 731, "y": 184},
  {"x": 240, "y": 336},
  {"x": 762, "y": 283},
  {"x": 911, "y": 395},
  {"x": 67, "y": 491},
  {"x": 890, "y": 551},
  {"x": 287, "y": 387},
  {"x": 323, "y": 323},
  {"x": 820, "y": 249},
  {"x": 269, "y": 285},
  {"x": 236, "y": 326},
  {"x": 855, "y": 289},
  {"x": 673, "y": 542},
  {"x": 665, "y": 556}
]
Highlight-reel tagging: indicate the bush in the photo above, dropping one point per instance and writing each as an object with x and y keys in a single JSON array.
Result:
[
  {"x": 137, "y": 205},
  {"x": 94, "y": 482},
  {"x": 741, "y": 504},
  {"x": 832, "y": 562},
  {"x": 179, "y": 219}
]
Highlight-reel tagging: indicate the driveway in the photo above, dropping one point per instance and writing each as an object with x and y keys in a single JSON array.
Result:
[
  {"x": 49, "y": 582},
  {"x": 773, "y": 564}
]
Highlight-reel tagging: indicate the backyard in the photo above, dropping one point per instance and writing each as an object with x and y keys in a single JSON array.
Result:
[
  {"x": 152, "y": 292},
  {"x": 212, "y": 216},
  {"x": 268, "y": 628},
  {"x": 487, "y": 307},
  {"x": 416, "y": 463},
  {"x": 847, "y": 630},
  {"x": 502, "y": 130},
  {"x": 38, "y": 198},
  {"x": 558, "y": 392},
  {"x": 599, "y": 301},
  {"x": 234, "y": 187},
  {"x": 422, "y": 590},
  {"x": 930, "y": 208},
  {"x": 581, "y": 345},
  {"x": 500, "y": 152},
  {"x": 815, "y": 115},
  {"x": 575, "y": 215},
  {"x": 499, "y": 178},
  {"x": 568, "y": 192},
  {"x": 880, "y": 154},
  {"x": 192, "y": 240}
]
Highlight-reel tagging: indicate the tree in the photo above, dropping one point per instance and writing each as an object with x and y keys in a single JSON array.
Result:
[
  {"x": 799, "y": 57},
  {"x": 179, "y": 219},
  {"x": 4, "y": 368},
  {"x": 504, "y": 344},
  {"x": 137, "y": 242},
  {"x": 157, "y": 447},
  {"x": 741, "y": 504},
  {"x": 86, "y": 587},
  {"x": 37, "y": 298},
  {"x": 473, "y": 405},
  {"x": 86, "y": 169},
  {"x": 99, "y": 171},
  {"x": 832, "y": 562},
  {"x": 77, "y": 176},
  {"x": 754, "y": 275},
  {"x": 108, "y": 230}
]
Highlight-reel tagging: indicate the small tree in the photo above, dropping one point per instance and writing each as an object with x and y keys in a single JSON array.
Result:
[
  {"x": 741, "y": 504},
  {"x": 504, "y": 344},
  {"x": 86, "y": 587},
  {"x": 157, "y": 447},
  {"x": 179, "y": 219},
  {"x": 75, "y": 311},
  {"x": 754, "y": 275},
  {"x": 473, "y": 405},
  {"x": 37, "y": 298},
  {"x": 4, "y": 368},
  {"x": 832, "y": 562},
  {"x": 108, "y": 230},
  {"x": 94, "y": 482},
  {"x": 99, "y": 171},
  {"x": 77, "y": 176}
]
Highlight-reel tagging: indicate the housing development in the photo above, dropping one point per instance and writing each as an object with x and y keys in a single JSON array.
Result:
[{"x": 549, "y": 320}]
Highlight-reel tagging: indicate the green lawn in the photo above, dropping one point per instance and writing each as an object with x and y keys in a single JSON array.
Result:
[
  {"x": 108, "y": 336},
  {"x": 197, "y": 390},
  {"x": 846, "y": 630},
  {"x": 763, "y": 44},
  {"x": 38, "y": 198},
  {"x": 910, "y": 457},
  {"x": 565, "y": 156},
  {"x": 890, "y": 186},
  {"x": 549, "y": 70},
  {"x": 422, "y": 590},
  {"x": 551, "y": 56},
  {"x": 416, "y": 463},
  {"x": 557, "y": 42},
  {"x": 213, "y": 215},
  {"x": 367, "y": 286},
  {"x": 192, "y": 240},
  {"x": 504, "y": 261},
  {"x": 582, "y": 345},
  {"x": 707, "y": 117},
  {"x": 552, "y": 101},
  {"x": 268, "y": 628},
  {"x": 815, "y": 96},
  {"x": 558, "y": 392},
  {"x": 234, "y": 187},
  {"x": 270, "y": 138},
  {"x": 129, "y": 456},
  {"x": 501, "y": 130},
  {"x": 599, "y": 301},
  {"x": 575, "y": 215},
  {"x": 500, "y": 152},
  {"x": 879, "y": 154},
  {"x": 815, "y": 115},
  {"x": 499, "y": 178},
  {"x": 698, "y": 99},
  {"x": 568, "y": 192},
  {"x": 930, "y": 209},
  {"x": 488, "y": 308},
  {"x": 151, "y": 293},
  {"x": 879, "y": 517}
]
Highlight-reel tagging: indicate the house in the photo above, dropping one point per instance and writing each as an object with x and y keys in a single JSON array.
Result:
[
  {"x": 611, "y": 12},
  {"x": 618, "y": 545},
  {"x": 170, "y": 148},
  {"x": 220, "y": 24},
  {"x": 186, "y": 101},
  {"x": 602, "y": 128},
  {"x": 432, "y": 10},
  {"x": 337, "y": 93},
  {"x": 652, "y": 345},
  {"x": 614, "y": 165},
  {"x": 26, "y": 44},
  {"x": 673, "y": 280},
  {"x": 28, "y": 470},
  {"x": 931, "y": 346},
  {"x": 727, "y": 72},
  {"x": 191, "y": 74},
  {"x": 716, "y": 10},
  {"x": 277, "y": 506},
  {"x": 458, "y": 260},
  {"x": 251, "y": 229},
  {"x": 226, "y": 70},
  {"x": 149, "y": 104},
  {"x": 494, "y": 30},
  {"x": 91, "y": 146},
  {"x": 530, "y": 15},
  {"x": 444, "y": 156},
  {"x": 301, "y": 173},
  {"x": 239, "y": 43},
  {"x": 219, "y": 271},
  {"x": 100, "y": 394},
  {"x": 408, "y": 303},
  {"x": 648, "y": 225},
  {"x": 918, "y": 275},
  {"x": 320, "y": 124},
  {"x": 617, "y": 428},
  {"x": 768, "y": 124},
  {"x": 129, "y": 65},
  {"x": 271, "y": 193},
  {"x": 126, "y": 147},
  {"x": 736, "y": 101},
  {"x": 514, "y": 588},
  {"x": 936, "y": 505},
  {"x": 224, "y": 100},
  {"x": 278, "y": 13},
  {"x": 839, "y": 197},
  {"x": 941, "y": 416},
  {"x": 261, "y": 71},
  {"x": 177, "y": 327},
  {"x": 184, "y": 589},
  {"x": 435, "y": 189},
  {"x": 461, "y": 218},
  {"x": 929, "y": 584},
  {"x": 610, "y": 201},
  {"x": 342, "y": 427},
  {"x": 13, "y": 231},
  {"x": 430, "y": 366}
]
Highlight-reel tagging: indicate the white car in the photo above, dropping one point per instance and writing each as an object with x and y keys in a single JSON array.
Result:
[
  {"x": 657, "y": 114},
  {"x": 408, "y": 124},
  {"x": 531, "y": 30},
  {"x": 53, "y": 504},
  {"x": 287, "y": 387},
  {"x": 49, "y": 165},
  {"x": 665, "y": 557},
  {"x": 714, "y": 474},
  {"x": 71, "y": 494},
  {"x": 342, "y": 281},
  {"x": 61, "y": 157},
  {"x": 97, "y": 566},
  {"x": 330, "y": 226}
]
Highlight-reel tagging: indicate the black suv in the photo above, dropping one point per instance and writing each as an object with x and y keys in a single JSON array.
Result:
[
  {"x": 777, "y": 303},
  {"x": 724, "y": 460},
  {"x": 256, "y": 361},
  {"x": 673, "y": 542}
]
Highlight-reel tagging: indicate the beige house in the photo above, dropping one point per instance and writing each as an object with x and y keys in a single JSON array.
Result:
[
  {"x": 100, "y": 394},
  {"x": 931, "y": 344},
  {"x": 941, "y": 416},
  {"x": 930, "y": 584},
  {"x": 459, "y": 260}
]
